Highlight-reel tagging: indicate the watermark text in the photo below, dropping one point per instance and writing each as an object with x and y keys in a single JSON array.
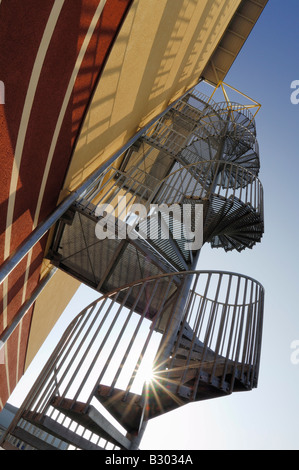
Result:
[
  {"x": 295, "y": 94},
  {"x": 295, "y": 354},
  {"x": 176, "y": 221}
]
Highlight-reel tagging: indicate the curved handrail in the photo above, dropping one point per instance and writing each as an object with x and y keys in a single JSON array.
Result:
[
  {"x": 222, "y": 104},
  {"x": 243, "y": 109},
  {"x": 172, "y": 141},
  {"x": 163, "y": 276},
  {"x": 78, "y": 363},
  {"x": 242, "y": 133},
  {"x": 220, "y": 178},
  {"x": 196, "y": 148}
]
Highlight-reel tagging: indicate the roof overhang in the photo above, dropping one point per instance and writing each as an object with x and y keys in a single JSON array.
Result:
[{"x": 233, "y": 40}]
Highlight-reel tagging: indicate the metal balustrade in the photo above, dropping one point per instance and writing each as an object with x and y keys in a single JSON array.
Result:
[
  {"x": 240, "y": 136},
  {"x": 207, "y": 149},
  {"x": 232, "y": 199},
  {"x": 196, "y": 180},
  {"x": 235, "y": 107},
  {"x": 201, "y": 102},
  {"x": 227, "y": 321},
  {"x": 197, "y": 183},
  {"x": 201, "y": 179},
  {"x": 221, "y": 199},
  {"x": 170, "y": 335},
  {"x": 173, "y": 345}
]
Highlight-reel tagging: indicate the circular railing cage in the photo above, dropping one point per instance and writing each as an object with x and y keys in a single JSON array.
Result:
[
  {"x": 231, "y": 195},
  {"x": 206, "y": 148},
  {"x": 197, "y": 180},
  {"x": 187, "y": 343},
  {"x": 225, "y": 133},
  {"x": 167, "y": 340}
]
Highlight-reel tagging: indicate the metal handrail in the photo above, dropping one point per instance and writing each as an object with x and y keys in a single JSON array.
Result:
[
  {"x": 196, "y": 183},
  {"x": 43, "y": 228},
  {"x": 173, "y": 141},
  {"x": 70, "y": 337},
  {"x": 222, "y": 105},
  {"x": 107, "y": 342},
  {"x": 196, "y": 180},
  {"x": 219, "y": 178}
]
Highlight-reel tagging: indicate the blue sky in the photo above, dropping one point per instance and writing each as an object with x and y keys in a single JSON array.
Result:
[{"x": 267, "y": 417}]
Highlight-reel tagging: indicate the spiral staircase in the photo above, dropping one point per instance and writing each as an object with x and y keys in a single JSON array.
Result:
[{"x": 199, "y": 332}]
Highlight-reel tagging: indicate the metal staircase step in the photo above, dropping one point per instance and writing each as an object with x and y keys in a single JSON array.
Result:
[
  {"x": 59, "y": 431},
  {"x": 232, "y": 224},
  {"x": 190, "y": 362},
  {"x": 215, "y": 367},
  {"x": 32, "y": 440},
  {"x": 188, "y": 112},
  {"x": 157, "y": 399},
  {"x": 107, "y": 264},
  {"x": 125, "y": 408},
  {"x": 172, "y": 249},
  {"x": 90, "y": 418},
  {"x": 242, "y": 218},
  {"x": 229, "y": 243},
  {"x": 172, "y": 151}
]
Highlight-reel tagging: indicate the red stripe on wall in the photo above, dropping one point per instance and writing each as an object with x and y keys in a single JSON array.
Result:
[
  {"x": 59, "y": 62},
  {"x": 19, "y": 43}
]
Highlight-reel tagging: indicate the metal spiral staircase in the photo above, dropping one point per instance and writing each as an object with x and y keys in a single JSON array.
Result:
[{"x": 198, "y": 331}]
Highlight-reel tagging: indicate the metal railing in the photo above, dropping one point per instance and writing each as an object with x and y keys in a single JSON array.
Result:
[
  {"x": 242, "y": 109},
  {"x": 120, "y": 195},
  {"x": 109, "y": 343},
  {"x": 228, "y": 324},
  {"x": 197, "y": 180},
  {"x": 201, "y": 180},
  {"x": 171, "y": 140},
  {"x": 222, "y": 105}
]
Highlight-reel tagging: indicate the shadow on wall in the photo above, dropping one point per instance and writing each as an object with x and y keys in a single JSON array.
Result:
[
  {"x": 50, "y": 66},
  {"x": 157, "y": 57}
]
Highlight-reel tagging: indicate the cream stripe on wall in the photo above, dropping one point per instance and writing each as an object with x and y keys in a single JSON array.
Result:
[
  {"x": 64, "y": 106},
  {"x": 34, "y": 79},
  {"x": 36, "y": 71},
  {"x": 33, "y": 83}
]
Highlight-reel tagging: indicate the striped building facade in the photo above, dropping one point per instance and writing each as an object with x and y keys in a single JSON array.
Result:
[{"x": 80, "y": 78}]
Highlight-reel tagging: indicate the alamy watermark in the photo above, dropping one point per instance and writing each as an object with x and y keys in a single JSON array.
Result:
[
  {"x": 295, "y": 94},
  {"x": 2, "y": 92},
  {"x": 158, "y": 221},
  {"x": 295, "y": 354}
]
